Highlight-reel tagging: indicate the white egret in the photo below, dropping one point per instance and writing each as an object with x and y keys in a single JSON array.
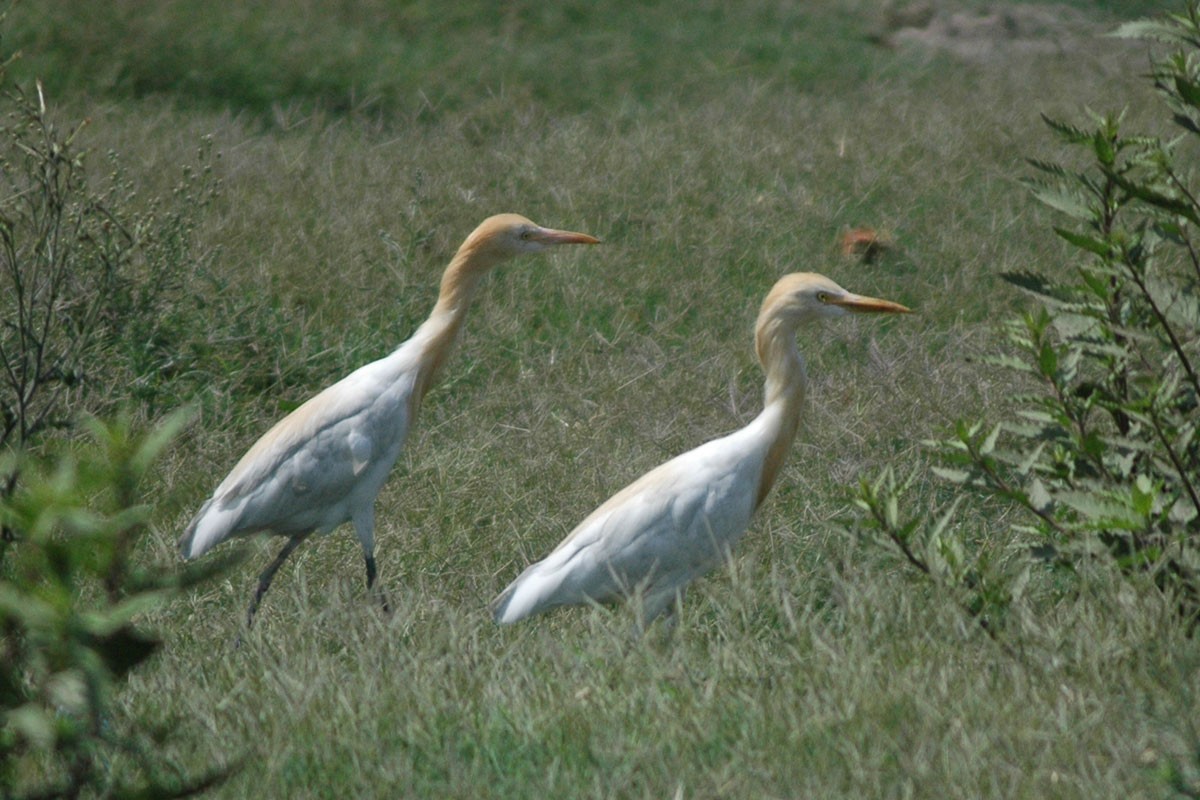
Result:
[
  {"x": 324, "y": 463},
  {"x": 682, "y": 518}
]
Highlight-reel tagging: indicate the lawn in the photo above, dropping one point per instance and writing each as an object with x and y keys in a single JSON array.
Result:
[{"x": 712, "y": 151}]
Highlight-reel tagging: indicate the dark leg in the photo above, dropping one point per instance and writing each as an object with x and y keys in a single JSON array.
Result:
[
  {"x": 268, "y": 575},
  {"x": 671, "y": 616},
  {"x": 371, "y": 582}
]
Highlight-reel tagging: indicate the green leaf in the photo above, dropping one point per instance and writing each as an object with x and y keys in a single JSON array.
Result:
[
  {"x": 1186, "y": 122},
  {"x": 1149, "y": 194},
  {"x": 1103, "y": 147},
  {"x": 1009, "y": 362},
  {"x": 953, "y": 475},
  {"x": 31, "y": 611},
  {"x": 989, "y": 443},
  {"x": 943, "y": 522},
  {"x": 1071, "y": 133},
  {"x": 1048, "y": 361},
  {"x": 1097, "y": 246},
  {"x": 33, "y": 723},
  {"x": 1049, "y": 167},
  {"x": 1188, "y": 90},
  {"x": 1068, "y": 203},
  {"x": 1102, "y": 513},
  {"x": 1033, "y": 283},
  {"x": 1039, "y": 499},
  {"x": 1183, "y": 511},
  {"x": 1154, "y": 30},
  {"x": 1026, "y": 464},
  {"x": 124, "y": 648},
  {"x": 1142, "y": 495}
]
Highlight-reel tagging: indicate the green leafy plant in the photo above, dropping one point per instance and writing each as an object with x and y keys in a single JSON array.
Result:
[
  {"x": 71, "y": 601},
  {"x": 93, "y": 281},
  {"x": 1101, "y": 450}
]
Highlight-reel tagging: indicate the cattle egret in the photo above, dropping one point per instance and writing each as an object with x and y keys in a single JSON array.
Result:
[
  {"x": 681, "y": 519},
  {"x": 324, "y": 463}
]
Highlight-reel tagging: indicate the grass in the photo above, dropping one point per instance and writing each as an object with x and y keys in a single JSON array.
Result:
[{"x": 713, "y": 152}]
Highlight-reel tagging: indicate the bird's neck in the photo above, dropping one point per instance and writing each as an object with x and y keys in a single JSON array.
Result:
[
  {"x": 783, "y": 397},
  {"x": 439, "y": 332}
]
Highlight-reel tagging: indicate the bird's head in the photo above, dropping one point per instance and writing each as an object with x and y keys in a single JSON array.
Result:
[
  {"x": 506, "y": 235},
  {"x": 804, "y": 296}
]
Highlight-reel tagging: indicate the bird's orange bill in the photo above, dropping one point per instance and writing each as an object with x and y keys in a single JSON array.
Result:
[
  {"x": 551, "y": 236},
  {"x": 868, "y": 305}
]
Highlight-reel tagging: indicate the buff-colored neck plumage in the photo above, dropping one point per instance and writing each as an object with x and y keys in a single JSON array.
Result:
[
  {"x": 784, "y": 390},
  {"x": 437, "y": 335}
]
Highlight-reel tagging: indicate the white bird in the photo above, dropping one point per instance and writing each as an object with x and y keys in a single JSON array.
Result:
[
  {"x": 324, "y": 463},
  {"x": 681, "y": 519}
]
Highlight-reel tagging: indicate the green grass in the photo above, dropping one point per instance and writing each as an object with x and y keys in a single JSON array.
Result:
[{"x": 713, "y": 152}]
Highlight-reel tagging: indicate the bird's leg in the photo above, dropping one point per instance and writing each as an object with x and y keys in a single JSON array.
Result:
[
  {"x": 672, "y": 614},
  {"x": 268, "y": 575},
  {"x": 383, "y": 601},
  {"x": 364, "y": 527}
]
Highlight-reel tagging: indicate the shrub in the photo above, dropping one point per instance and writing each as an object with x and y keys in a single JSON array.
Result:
[
  {"x": 70, "y": 601},
  {"x": 93, "y": 282},
  {"x": 1102, "y": 452}
]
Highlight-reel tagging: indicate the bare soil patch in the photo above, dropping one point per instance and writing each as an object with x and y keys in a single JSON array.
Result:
[{"x": 997, "y": 31}]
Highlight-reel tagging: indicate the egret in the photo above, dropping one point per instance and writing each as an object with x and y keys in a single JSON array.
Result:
[
  {"x": 681, "y": 519},
  {"x": 324, "y": 463}
]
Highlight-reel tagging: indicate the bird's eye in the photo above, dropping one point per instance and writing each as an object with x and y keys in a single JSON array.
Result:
[
  {"x": 526, "y": 235},
  {"x": 823, "y": 297}
]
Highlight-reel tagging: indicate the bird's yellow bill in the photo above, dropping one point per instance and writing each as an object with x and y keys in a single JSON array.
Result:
[
  {"x": 869, "y": 305},
  {"x": 551, "y": 236}
]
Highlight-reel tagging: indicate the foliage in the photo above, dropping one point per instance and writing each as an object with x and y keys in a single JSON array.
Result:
[
  {"x": 92, "y": 279},
  {"x": 71, "y": 597},
  {"x": 1102, "y": 451}
]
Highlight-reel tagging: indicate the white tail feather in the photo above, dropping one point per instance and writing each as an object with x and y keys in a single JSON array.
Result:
[
  {"x": 526, "y": 596},
  {"x": 210, "y": 527}
]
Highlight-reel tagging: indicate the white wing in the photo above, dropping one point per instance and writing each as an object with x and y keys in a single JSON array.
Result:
[
  {"x": 305, "y": 472},
  {"x": 657, "y": 534}
]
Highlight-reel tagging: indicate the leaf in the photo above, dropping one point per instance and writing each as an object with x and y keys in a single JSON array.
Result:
[
  {"x": 1185, "y": 121},
  {"x": 1031, "y": 458},
  {"x": 34, "y": 724},
  {"x": 1142, "y": 495},
  {"x": 1183, "y": 512},
  {"x": 160, "y": 436},
  {"x": 1102, "y": 513},
  {"x": 1009, "y": 362},
  {"x": 1154, "y": 30},
  {"x": 1033, "y": 283},
  {"x": 989, "y": 443},
  {"x": 1189, "y": 90},
  {"x": 1039, "y": 499},
  {"x": 1097, "y": 246},
  {"x": 1103, "y": 147},
  {"x": 1067, "y": 203},
  {"x": 25, "y": 607},
  {"x": 1071, "y": 133},
  {"x": 944, "y": 521},
  {"x": 1148, "y": 194},
  {"x": 124, "y": 648},
  {"x": 1044, "y": 552},
  {"x": 953, "y": 475},
  {"x": 1049, "y": 167},
  {"x": 1048, "y": 361}
]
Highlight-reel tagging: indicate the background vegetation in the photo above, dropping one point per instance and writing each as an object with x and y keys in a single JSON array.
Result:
[{"x": 354, "y": 145}]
